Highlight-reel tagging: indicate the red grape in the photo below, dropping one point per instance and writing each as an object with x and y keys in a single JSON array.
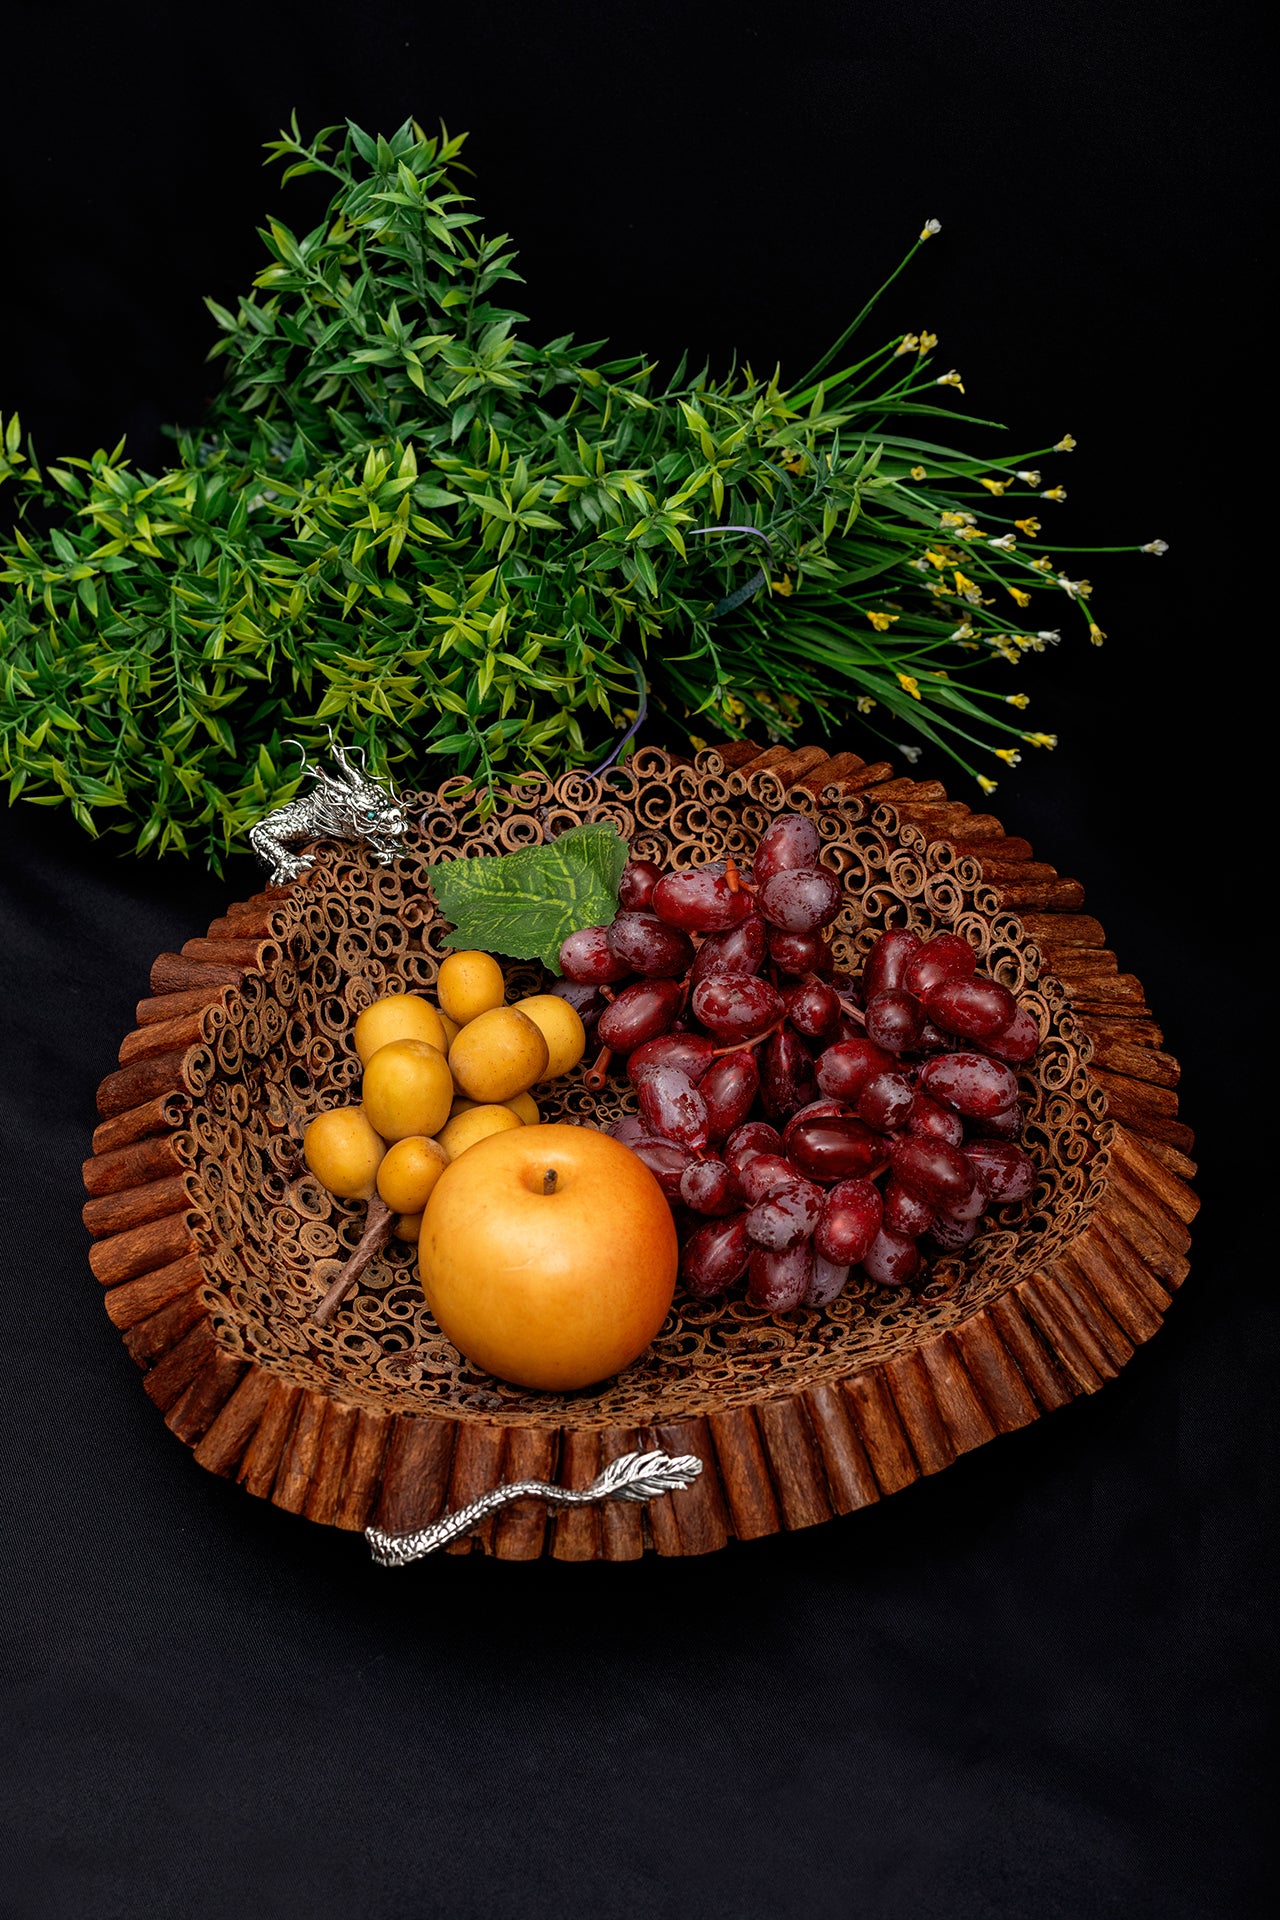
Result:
[
  {"x": 789, "y": 841},
  {"x": 1005, "y": 1125},
  {"x": 885, "y": 1101},
  {"x": 729, "y": 1087},
  {"x": 638, "y": 1014},
  {"x": 844, "y": 1070},
  {"x": 650, "y": 947},
  {"x": 740, "y": 950},
  {"x": 786, "y": 1075},
  {"x": 736, "y": 1006},
  {"x": 587, "y": 1001},
  {"x": 887, "y": 961},
  {"x": 813, "y": 1010},
  {"x": 671, "y": 1105},
  {"x": 975, "y": 1009},
  {"x": 945, "y": 957},
  {"x": 834, "y": 1148},
  {"x": 789, "y": 1212},
  {"x": 666, "y": 1162},
  {"x": 701, "y": 901},
  {"x": 693, "y": 1053},
  {"x": 969, "y": 1082},
  {"x": 939, "y": 1173},
  {"x": 779, "y": 1281},
  {"x": 1004, "y": 1171},
  {"x": 707, "y": 1187},
  {"x": 757, "y": 1136},
  {"x": 851, "y": 1216},
  {"x": 635, "y": 888},
  {"x": 952, "y": 1234},
  {"x": 825, "y": 1282},
  {"x": 971, "y": 1207},
  {"x": 714, "y": 1256},
  {"x": 801, "y": 899},
  {"x": 800, "y": 952},
  {"x": 930, "y": 1120},
  {"x": 816, "y": 1110},
  {"x": 758, "y": 1175},
  {"x": 587, "y": 959},
  {"x": 629, "y": 1129},
  {"x": 895, "y": 1020},
  {"x": 905, "y": 1213},
  {"x": 890, "y": 1260},
  {"x": 1018, "y": 1041}
]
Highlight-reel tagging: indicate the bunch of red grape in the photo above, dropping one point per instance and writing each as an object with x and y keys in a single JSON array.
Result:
[{"x": 890, "y": 1102}]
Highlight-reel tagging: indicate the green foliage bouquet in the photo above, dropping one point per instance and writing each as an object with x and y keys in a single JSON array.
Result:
[{"x": 404, "y": 520}]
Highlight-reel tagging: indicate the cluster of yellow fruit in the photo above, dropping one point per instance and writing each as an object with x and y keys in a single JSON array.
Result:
[{"x": 436, "y": 1081}]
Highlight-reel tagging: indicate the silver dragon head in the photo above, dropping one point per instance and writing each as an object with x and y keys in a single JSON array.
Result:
[{"x": 366, "y": 808}]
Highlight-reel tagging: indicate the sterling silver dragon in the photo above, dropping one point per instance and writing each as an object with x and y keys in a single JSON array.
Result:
[{"x": 348, "y": 805}]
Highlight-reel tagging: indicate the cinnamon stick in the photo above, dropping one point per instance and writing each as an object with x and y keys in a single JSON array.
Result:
[
  {"x": 199, "y": 1406},
  {"x": 908, "y": 1381},
  {"x": 325, "y": 1497},
  {"x": 415, "y": 1479},
  {"x": 477, "y": 1469},
  {"x": 522, "y": 1527},
  {"x": 225, "y": 1440},
  {"x": 297, "y": 1460},
  {"x": 1041, "y": 893},
  {"x": 172, "y": 973},
  {"x": 163, "y": 1036},
  {"x": 162, "y": 1330},
  {"x": 1140, "y": 1159},
  {"x": 261, "y": 1459},
  {"x": 994, "y": 1373},
  {"x": 881, "y": 1431},
  {"x": 160, "y": 1115},
  {"x": 744, "y": 1473},
  {"x": 228, "y": 953},
  {"x": 1039, "y": 1366},
  {"x": 141, "y": 1250},
  {"x": 1063, "y": 929},
  {"x": 131, "y": 1166},
  {"x": 138, "y": 1299},
  {"x": 576, "y": 1534},
  {"x": 959, "y": 1402},
  {"x": 170, "y": 1006},
  {"x": 169, "y": 1379},
  {"x": 850, "y": 1481},
  {"x": 793, "y": 1463},
  {"x": 135, "y": 1206},
  {"x": 364, "y": 1469},
  {"x": 144, "y": 1081}
]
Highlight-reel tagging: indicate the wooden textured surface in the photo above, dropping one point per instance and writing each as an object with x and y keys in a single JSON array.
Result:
[{"x": 791, "y": 1459}]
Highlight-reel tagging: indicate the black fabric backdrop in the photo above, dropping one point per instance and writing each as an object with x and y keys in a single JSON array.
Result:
[{"x": 1039, "y": 1684}]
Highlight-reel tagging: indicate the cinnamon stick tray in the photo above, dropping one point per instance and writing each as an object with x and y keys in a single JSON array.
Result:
[{"x": 212, "y": 1242}]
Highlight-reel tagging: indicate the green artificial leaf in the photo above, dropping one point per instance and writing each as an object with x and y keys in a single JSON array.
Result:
[{"x": 525, "y": 904}]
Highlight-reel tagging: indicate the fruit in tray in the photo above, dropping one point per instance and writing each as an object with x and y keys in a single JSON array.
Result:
[
  {"x": 804, "y": 1125},
  {"x": 548, "y": 1256},
  {"x": 436, "y": 1082},
  {"x": 794, "y": 1125}
]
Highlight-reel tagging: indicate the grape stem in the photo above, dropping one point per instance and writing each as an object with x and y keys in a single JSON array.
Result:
[
  {"x": 854, "y": 1013},
  {"x": 746, "y": 1046},
  {"x": 598, "y": 1073},
  {"x": 377, "y": 1231}
]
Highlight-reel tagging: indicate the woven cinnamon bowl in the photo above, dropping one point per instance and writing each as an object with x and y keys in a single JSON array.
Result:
[{"x": 213, "y": 1242}]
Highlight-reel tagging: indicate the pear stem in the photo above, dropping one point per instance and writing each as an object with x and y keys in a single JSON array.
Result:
[
  {"x": 549, "y": 1180},
  {"x": 377, "y": 1231}
]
